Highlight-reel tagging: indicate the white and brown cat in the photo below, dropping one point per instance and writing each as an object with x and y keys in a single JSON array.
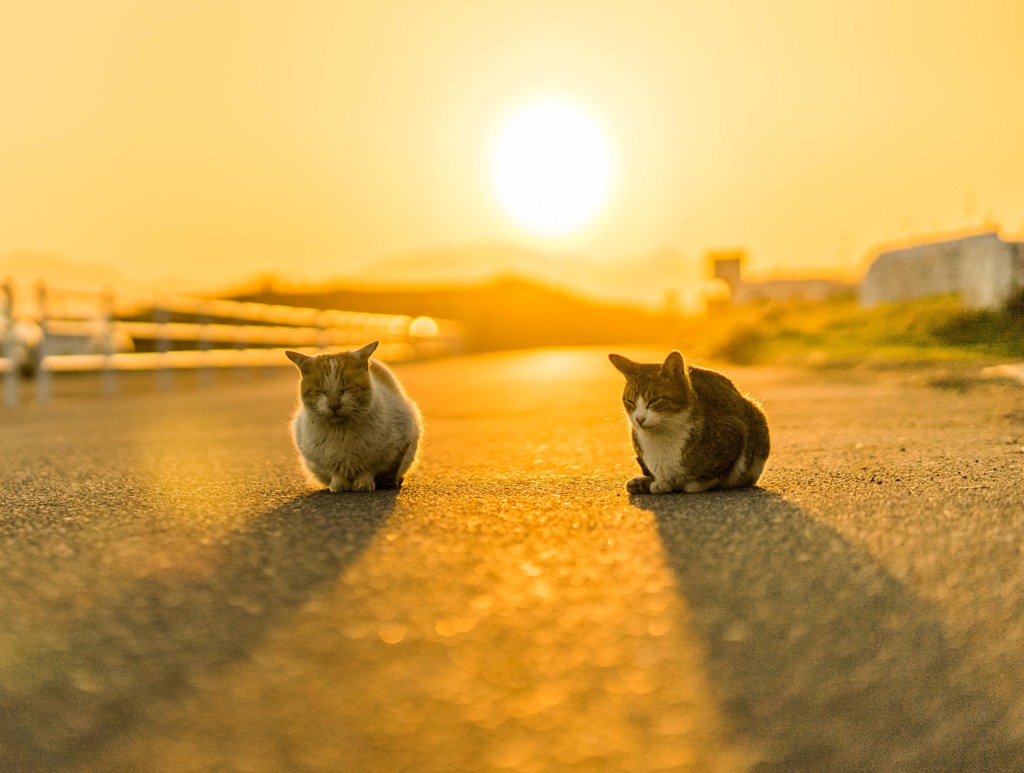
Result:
[
  {"x": 692, "y": 430},
  {"x": 355, "y": 427}
]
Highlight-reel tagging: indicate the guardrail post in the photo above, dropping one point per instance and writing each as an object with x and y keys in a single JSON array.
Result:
[
  {"x": 323, "y": 324},
  {"x": 107, "y": 341},
  {"x": 10, "y": 345},
  {"x": 240, "y": 371},
  {"x": 162, "y": 318},
  {"x": 43, "y": 386},
  {"x": 203, "y": 344}
]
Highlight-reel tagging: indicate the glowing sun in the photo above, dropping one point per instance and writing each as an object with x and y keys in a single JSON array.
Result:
[{"x": 551, "y": 167}]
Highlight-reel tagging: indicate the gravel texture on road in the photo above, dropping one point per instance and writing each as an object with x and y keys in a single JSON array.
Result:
[{"x": 177, "y": 597}]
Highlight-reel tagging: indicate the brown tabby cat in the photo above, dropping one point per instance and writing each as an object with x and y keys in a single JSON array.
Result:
[{"x": 692, "y": 430}]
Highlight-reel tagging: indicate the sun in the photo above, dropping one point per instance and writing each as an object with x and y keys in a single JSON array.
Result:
[{"x": 551, "y": 167}]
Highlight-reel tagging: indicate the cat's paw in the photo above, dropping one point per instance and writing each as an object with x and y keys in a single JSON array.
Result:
[
  {"x": 364, "y": 482},
  {"x": 641, "y": 484},
  {"x": 339, "y": 484},
  {"x": 661, "y": 487}
]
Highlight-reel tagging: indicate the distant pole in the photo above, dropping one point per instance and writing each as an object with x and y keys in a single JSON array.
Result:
[
  {"x": 10, "y": 345},
  {"x": 43, "y": 386}
]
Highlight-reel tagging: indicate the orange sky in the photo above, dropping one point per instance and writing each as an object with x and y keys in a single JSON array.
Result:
[{"x": 197, "y": 143}]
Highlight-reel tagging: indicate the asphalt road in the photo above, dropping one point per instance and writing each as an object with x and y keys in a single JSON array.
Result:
[{"x": 175, "y": 597}]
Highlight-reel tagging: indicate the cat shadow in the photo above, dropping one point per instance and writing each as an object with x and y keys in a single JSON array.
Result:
[
  {"x": 816, "y": 656},
  {"x": 165, "y": 634}
]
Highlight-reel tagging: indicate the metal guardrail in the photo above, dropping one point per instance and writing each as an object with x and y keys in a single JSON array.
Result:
[{"x": 46, "y": 330}]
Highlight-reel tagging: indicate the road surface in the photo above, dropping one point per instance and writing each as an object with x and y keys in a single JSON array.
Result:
[{"x": 175, "y": 597}]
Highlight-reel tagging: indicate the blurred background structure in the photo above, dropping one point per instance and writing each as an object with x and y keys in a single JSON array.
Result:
[{"x": 982, "y": 269}]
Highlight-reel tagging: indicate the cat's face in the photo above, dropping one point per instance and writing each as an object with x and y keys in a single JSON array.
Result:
[
  {"x": 335, "y": 386},
  {"x": 655, "y": 397}
]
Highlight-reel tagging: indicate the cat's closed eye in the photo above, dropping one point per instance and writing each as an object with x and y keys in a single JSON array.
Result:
[
  {"x": 664, "y": 404},
  {"x": 628, "y": 403}
]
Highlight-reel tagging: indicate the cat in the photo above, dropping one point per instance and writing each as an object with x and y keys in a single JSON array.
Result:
[
  {"x": 692, "y": 430},
  {"x": 355, "y": 428}
]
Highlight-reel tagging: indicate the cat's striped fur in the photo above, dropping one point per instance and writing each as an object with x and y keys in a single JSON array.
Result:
[{"x": 692, "y": 430}]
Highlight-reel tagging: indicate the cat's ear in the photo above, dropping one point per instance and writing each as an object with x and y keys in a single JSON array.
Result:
[
  {"x": 624, "y": 365},
  {"x": 366, "y": 351},
  {"x": 298, "y": 358},
  {"x": 673, "y": 366}
]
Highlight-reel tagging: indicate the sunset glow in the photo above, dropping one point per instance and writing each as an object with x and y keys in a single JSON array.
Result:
[
  {"x": 327, "y": 142},
  {"x": 551, "y": 167}
]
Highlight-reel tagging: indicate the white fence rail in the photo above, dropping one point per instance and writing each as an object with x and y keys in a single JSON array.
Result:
[{"x": 45, "y": 330}]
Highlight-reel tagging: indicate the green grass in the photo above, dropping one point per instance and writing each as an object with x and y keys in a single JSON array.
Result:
[{"x": 839, "y": 333}]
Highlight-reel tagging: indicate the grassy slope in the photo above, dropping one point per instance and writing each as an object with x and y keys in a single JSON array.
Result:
[{"x": 839, "y": 333}]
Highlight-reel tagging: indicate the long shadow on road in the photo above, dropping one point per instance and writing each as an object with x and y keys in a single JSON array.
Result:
[
  {"x": 818, "y": 656},
  {"x": 160, "y": 635}
]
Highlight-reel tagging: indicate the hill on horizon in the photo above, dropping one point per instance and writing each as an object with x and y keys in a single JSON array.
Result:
[
  {"x": 506, "y": 313},
  {"x": 643, "y": 280}
]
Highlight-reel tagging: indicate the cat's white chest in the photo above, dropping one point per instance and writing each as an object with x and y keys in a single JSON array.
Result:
[{"x": 662, "y": 447}]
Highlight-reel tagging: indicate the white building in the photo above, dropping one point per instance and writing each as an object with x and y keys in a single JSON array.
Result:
[{"x": 983, "y": 269}]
